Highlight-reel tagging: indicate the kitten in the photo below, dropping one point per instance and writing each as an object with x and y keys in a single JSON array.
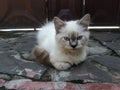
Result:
[{"x": 64, "y": 42}]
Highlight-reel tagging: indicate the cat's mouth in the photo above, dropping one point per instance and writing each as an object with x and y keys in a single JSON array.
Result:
[{"x": 74, "y": 49}]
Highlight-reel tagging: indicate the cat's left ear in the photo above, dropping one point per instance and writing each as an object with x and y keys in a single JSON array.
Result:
[
  {"x": 58, "y": 23},
  {"x": 84, "y": 21}
]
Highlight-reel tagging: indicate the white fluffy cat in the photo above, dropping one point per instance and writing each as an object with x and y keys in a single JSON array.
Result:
[{"x": 65, "y": 41}]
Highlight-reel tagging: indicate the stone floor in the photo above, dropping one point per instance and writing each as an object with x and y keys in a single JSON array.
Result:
[{"x": 100, "y": 71}]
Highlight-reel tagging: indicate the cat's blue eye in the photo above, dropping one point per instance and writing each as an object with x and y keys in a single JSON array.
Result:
[
  {"x": 79, "y": 37},
  {"x": 66, "y": 38}
]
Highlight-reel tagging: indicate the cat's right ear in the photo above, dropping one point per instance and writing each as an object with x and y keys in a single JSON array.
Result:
[
  {"x": 58, "y": 24},
  {"x": 85, "y": 20}
]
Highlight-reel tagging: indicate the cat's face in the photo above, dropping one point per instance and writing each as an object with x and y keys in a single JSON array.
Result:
[{"x": 72, "y": 35}]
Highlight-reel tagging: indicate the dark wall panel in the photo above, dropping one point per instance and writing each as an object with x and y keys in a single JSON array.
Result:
[
  {"x": 22, "y": 13},
  {"x": 32, "y": 13},
  {"x": 65, "y": 9},
  {"x": 104, "y": 12},
  {"x": 118, "y": 14}
]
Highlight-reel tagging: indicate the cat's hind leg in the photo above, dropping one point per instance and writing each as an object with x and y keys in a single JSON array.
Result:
[{"x": 42, "y": 56}]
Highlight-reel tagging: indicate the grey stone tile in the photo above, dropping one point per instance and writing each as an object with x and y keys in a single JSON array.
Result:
[
  {"x": 10, "y": 65},
  {"x": 5, "y": 77},
  {"x": 86, "y": 71},
  {"x": 108, "y": 61},
  {"x": 24, "y": 43},
  {"x": 4, "y": 46},
  {"x": 17, "y": 77},
  {"x": 95, "y": 48},
  {"x": 115, "y": 45},
  {"x": 106, "y": 36}
]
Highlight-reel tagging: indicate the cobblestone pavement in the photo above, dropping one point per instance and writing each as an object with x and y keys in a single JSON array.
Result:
[{"x": 18, "y": 71}]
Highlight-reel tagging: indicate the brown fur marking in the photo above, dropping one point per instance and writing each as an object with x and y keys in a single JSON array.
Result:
[
  {"x": 42, "y": 56},
  {"x": 73, "y": 38}
]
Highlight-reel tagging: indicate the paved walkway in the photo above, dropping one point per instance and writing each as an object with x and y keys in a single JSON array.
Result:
[{"x": 101, "y": 70}]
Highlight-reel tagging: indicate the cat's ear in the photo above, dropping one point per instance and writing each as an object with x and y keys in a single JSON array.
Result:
[
  {"x": 84, "y": 21},
  {"x": 58, "y": 23}
]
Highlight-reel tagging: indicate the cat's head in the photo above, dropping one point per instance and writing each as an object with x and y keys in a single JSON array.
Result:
[{"x": 72, "y": 35}]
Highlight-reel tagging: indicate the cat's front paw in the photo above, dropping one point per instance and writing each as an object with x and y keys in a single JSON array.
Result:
[{"x": 62, "y": 65}]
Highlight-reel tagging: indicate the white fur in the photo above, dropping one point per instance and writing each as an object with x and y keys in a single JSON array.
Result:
[{"x": 46, "y": 40}]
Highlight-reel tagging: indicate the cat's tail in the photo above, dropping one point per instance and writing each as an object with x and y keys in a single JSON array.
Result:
[{"x": 41, "y": 56}]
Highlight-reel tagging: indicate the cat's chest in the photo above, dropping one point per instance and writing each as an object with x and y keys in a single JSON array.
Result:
[
  {"x": 74, "y": 59},
  {"x": 69, "y": 58}
]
